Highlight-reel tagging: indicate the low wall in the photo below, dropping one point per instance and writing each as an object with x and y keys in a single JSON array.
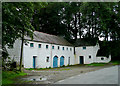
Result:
[{"x": 103, "y": 59}]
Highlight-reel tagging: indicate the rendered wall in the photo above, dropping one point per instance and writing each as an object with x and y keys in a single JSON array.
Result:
[
  {"x": 14, "y": 53},
  {"x": 105, "y": 59},
  {"x": 89, "y": 51},
  {"x": 42, "y": 54}
]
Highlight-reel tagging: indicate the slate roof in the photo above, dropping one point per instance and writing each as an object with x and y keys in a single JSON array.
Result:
[
  {"x": 47, "y": 38},
  {"x": 86, "y": 42}
]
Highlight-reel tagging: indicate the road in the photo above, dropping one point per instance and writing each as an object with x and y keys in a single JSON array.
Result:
[{"x": 103, "y": 76}]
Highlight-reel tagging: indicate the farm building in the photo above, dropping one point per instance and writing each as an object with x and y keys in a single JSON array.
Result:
[{"x": 47, "y": 50}]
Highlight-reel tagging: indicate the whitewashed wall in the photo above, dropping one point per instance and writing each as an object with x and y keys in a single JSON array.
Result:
[
  {"x": 66, "y": 53},
  {"x": 89, "y": 51},
  {"x": 42, "y": 54},
  {"x": 95, "y": 50},
  {"x": 14, "y": 53},
  {"x": 105, "y": 59}
]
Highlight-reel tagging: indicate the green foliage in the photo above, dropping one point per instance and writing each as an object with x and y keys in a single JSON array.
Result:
[
  {"x": 16, "y": 17},
  {"x": 9, "y": 76},
  {"x": 115, "y": 48},
  {"x": 110, "y": 48},
  {"x": 66, "y": 19},
  {"x": 69, "y": 19},
  {"x": 115, "y": 62},
  {"x": 49, "y": 67}
]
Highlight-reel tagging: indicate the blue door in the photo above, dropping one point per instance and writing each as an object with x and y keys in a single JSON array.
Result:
[
  {"x": 55, "y": 62},
  {"x": 62, "y": 61},
  {"x": 34, "y": 62}
]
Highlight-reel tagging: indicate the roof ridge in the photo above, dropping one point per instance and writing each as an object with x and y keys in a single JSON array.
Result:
[
  {"x": 48, "y": 38},
  {"x": 47, "y": 33}
]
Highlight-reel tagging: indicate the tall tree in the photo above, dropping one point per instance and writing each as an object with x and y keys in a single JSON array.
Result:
[{"x": 16, "y": 24}]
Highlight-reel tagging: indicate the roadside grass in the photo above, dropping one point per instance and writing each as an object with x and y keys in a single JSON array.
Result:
[
  {"x": 37, "y": 68},
  {"x": 61, "y": 68},
  {"x": 96, "y": 64},
  {"x": 76, "y": 65},
  {"x": 8, "y": 77},
  {"x": 115, "y": 62},
  {"x": 55, "y": 69}
]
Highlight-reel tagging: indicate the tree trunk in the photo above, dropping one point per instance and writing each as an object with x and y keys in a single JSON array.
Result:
[
  {"x": 106, "y": 36},
  {"x": 21, "y": 55}
]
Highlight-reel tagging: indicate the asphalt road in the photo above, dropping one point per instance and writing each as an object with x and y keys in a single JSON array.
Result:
[{"x": 103, "y": 76}]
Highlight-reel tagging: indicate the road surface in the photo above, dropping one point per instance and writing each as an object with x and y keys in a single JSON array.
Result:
[{"x": 103, "y": 76}]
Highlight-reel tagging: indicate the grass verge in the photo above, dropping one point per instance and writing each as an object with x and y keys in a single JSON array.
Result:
[
  {"x": 61, "y": 68},
  {"x": 115, "y": 62},
  {"x": 8, "y": 77},
  {"x": 96, "y": 64}
]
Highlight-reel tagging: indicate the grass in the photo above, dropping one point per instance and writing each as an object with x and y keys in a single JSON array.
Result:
[
  {"x": 8, "y": 77},
  {"x": 61, "y": 68},
  {"x": 37, "y": 68},
  {"x": 96, "y": 64},
  {"x": 115, "y": 62}
]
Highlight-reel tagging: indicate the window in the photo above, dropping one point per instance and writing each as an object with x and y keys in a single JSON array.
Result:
[
  {"x": 63, "y": 48},
  {"x": 70, "y": 49},
  {"x": 102, "y": 58},
  {"x": 89, "y": 57},
  {"x": 58, "y": 47},
  {"x": 47, "y": 60},
  {"x": 26, "y": 44},
  {"x": 31, "y": 45},
  {"x": 46, "y": 46},
  {"x": 67, "y": 48},
  {"x": 84, "y": 48},
  {"x": 39, "y": 45},
  {"x": 52, "y": 47}
]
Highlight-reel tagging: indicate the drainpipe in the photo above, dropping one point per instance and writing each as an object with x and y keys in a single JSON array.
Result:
[
  {"x": 51, "y": 56},
  {"x": 74, "y": 56}
]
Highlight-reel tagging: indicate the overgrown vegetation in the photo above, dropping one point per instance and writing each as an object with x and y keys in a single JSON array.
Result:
[
  {"x": 103, "y": 64},
  {"x": 8, "y": 77},
  {"x": 110, "y": 47},
  {"x": 115, "y": 62}
]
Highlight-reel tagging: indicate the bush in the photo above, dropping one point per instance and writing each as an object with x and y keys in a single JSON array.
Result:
[
  {"x": 49, "y": 67},
  {"x": 63, "y": 65}
]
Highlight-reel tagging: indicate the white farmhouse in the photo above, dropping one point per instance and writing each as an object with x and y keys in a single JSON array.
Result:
[{"x": 47, "y": 50}]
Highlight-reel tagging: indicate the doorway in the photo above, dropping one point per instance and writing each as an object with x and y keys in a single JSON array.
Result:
[
  {"x": 69, "y": 61},
  {"x": 81, "y": 59},
  {"x": 34, "y": 61},
  {"x": 61, "y": 61},
  {"x": 55, "y": 62}
]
